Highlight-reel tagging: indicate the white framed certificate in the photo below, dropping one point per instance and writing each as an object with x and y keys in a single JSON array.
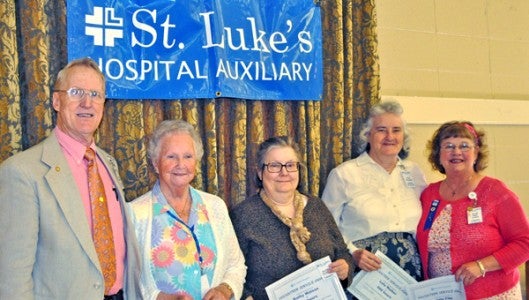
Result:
[
  {"x": 310, "y": 282},
  {"x": 388, "y": 282}
]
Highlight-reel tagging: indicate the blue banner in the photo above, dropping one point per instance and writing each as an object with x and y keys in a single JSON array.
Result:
[{"x": 185, "y": 49}]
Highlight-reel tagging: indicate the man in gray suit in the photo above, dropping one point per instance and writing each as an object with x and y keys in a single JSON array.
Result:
[{"x": 46, "y": 236}]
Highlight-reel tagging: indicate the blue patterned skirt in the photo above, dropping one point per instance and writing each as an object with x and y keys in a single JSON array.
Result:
[{"x": 400, "y": 247}]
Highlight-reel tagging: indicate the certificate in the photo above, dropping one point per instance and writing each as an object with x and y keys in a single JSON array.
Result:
[
  {"x": 310, "y": 282},
  {"x": 388, "y": 282},
  {"x": 439, "y": 288}
]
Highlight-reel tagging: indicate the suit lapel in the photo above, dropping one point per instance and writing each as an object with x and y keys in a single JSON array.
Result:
[{"x": 62, "y": 185}]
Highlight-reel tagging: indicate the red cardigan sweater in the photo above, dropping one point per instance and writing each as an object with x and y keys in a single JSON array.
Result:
[{"x": 503, "y": 233}]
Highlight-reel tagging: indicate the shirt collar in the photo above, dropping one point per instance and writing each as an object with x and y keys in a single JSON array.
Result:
[
  {"x": 160, "y": 205},
  {"x": 365, "y": 159},
  {"x": 71, "y": 146}
]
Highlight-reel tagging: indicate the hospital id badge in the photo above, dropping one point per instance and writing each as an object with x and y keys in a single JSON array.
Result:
[
  {"x": 408, "y": 179},
  {"x": 474, "y": 215}
]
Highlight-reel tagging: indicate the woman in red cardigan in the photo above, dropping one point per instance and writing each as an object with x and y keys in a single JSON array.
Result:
[{"x": 472, "y": 225}]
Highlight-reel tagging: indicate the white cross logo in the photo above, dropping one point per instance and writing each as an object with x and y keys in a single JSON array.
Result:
[{"x": 104, "y": 26}]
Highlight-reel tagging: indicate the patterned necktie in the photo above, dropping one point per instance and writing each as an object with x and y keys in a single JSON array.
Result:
[{"x": 102, "y": 228}]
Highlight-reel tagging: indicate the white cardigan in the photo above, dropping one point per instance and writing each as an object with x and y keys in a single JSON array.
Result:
[{"x": 230, "y": 267}]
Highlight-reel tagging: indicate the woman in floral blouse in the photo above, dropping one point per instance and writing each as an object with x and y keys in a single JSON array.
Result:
[{"x": 188, "y": 244}]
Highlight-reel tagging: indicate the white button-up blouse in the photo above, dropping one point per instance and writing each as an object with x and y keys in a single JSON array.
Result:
[{"x": 366, "y": 200}]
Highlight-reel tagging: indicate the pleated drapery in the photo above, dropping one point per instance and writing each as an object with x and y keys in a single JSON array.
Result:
[{"x": 33, "y": 49}]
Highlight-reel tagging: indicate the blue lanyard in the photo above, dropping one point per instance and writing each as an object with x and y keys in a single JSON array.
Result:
[
  {"x": 191, "y": 229},
  {"x": 431, "y": 215}
]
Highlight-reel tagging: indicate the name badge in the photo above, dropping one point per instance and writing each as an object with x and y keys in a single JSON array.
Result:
[
  {"x": 408, "y": 180},
  {"x": 474, "y": 215}
]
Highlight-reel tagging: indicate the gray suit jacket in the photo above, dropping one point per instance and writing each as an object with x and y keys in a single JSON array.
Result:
[{"x": 46, "y": 248}]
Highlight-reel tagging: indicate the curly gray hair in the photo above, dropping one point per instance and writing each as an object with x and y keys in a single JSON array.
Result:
[
  {"x": 169, "y": 127},
  {"x": 390, "y": 107}
]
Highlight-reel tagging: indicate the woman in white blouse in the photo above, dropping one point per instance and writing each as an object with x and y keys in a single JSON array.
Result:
[{"x": 374, "y": 198}]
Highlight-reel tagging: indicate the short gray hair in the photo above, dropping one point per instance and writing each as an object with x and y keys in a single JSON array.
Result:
[
  {"x": 80, "y": 62},
  {"x": 169, "y": 127},
  {"x": 269, "y": 144},
  {"x": 390, "y": 107}
]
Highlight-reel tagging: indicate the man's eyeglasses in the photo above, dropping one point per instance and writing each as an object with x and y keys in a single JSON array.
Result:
[
  {"x": 78, "y": 94},
  {"x": 449, "y": 147},
  {"x": 275, "y": 167}
]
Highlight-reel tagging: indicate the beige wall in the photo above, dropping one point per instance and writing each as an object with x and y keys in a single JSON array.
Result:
[
  {"x": 461, "y": 60},
  {"x": 453, "y": 48}
]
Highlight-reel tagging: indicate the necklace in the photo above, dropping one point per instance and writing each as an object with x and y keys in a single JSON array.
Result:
[
  {"x": 181, "y": 212},
  {"x": 288, "y": 203},
  {"x": 459, "y": 187}
]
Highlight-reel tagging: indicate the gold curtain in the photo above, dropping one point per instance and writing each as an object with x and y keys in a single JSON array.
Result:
[{"x": 33, "y": 49}]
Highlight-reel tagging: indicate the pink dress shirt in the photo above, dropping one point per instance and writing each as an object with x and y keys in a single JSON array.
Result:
[{"x": 74, "y": 152}]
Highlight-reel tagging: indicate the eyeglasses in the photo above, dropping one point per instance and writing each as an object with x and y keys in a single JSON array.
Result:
[
  {"x": 449, "y": 147},
  {"x": 78, "y": 94},
  {"x": 275, "y": 167}
]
